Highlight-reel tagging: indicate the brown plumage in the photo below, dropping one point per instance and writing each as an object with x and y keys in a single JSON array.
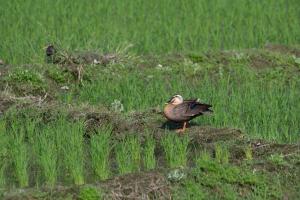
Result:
[{"x": 179, "y": 110}]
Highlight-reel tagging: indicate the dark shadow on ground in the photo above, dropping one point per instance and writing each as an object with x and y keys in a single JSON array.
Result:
[{"x": 170, "y": 125}]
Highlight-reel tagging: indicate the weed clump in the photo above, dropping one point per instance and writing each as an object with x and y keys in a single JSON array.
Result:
[
  {"x": 26, "y": 80},
  {"x": 58, "y": 75},
  {"x": 277, "y": 159},
  {"x": 89, "y": 193}
]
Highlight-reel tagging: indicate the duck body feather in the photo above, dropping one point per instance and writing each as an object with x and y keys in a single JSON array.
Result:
[{"x": 186, "y": 110}]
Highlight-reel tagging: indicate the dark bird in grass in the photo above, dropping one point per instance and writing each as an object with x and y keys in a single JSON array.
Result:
[
  {"x": 50, "y": 53},
  {"x": 179, "y": 110},
  {"x": 50, "y": 50}
]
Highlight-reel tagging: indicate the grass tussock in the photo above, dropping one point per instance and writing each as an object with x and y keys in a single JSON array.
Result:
[
  {"x": 48, "y": 155},
  {"x": 100, "y": 152},
  {"x": 175, "y": 149},
  {"x": 149, "y": 153},
  {"x": 19, "y": 154},
  {"x": 128, "y": 154},
  {"x": 72, "y": 148}
]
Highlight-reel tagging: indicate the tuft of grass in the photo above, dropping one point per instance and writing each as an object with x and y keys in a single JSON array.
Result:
[
  {"x": 48, "y": 155},
  {"x": 89, "y": 193},
  {"x": 190, "y": 190},
  {"x": 221, "y": 154},
  {"x": 19, "y": 154},
  {"x": 248, "y": 153},
  {"x": 128, "y": 154},
  {"x": 277, "y": 159},
  {"x": 149, "y": 154},
  {"x": 175, "y": 149},
  {"x": 100, "y": 151},
  {"x": 26, "y": 79},
  {"x": 72, "y": 146},
  {"x": 58, "y": 75},
  {"x": 206, "y": 166}
]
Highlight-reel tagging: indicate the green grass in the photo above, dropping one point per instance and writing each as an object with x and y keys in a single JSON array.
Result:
[
  {"x": 72, "y": 147},
  {"x": 149, "y": 153},
  {"x": 20, "y": 76},
  {"x": 100, "y": 152},
  {"x": 248, "y": 153},
  {"x": 49, "y": 147},
  {"x": 89, "y": 193},
  {"x": 48, "y": 155},
  {"x": 128, "y": 154},
  {"x": 175, "y": 149},
  {"x": 58, "y": 154},
  {"x": 263, "y": 104},
  {"x": 214, "y": 180},
  {"x": 19, "y": 154},
  {"x": 175, "y": 25},
  {"x": 221, "y": 154}
]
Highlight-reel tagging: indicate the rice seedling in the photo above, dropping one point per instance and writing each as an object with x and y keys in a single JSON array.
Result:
[
  {"x": 135, "y": 151},
  {"x": 248, "y": 153},
  {"x": 128, "y": 154},
  {"x": 149, "y": 154},
  {"x": 175, "y": 149},
  {"x": 100, "y": 151},
  {"x": 19, "y": 154},
  {"x": 221, "y": 154},
  {"x": 72, "y": 146},
  {"x": 47, "y": 155}
]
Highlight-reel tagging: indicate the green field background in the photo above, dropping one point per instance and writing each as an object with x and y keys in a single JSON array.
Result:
[{"x": 151, "y": 26}]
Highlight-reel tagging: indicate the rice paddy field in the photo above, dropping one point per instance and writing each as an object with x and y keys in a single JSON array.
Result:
[{"x": 83, "y": 86}]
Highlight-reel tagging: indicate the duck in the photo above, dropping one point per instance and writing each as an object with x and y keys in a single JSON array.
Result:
[{"x": 179, "y": 110}]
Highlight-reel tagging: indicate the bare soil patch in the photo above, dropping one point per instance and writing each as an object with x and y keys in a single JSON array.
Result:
[{"x": 284, "y": 49}]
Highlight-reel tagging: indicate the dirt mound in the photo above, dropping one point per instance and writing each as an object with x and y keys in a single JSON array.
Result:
[
  {"x": 4, "y": 105},
  {"x": 143, "y": 185},
  {"x": 284, "y": 49},
  {"x": 58, "y": 55},
  {"x": 152, "y": 119},
  {"x": 260, "y": 62},
  {"x": 146, "y": 185}
]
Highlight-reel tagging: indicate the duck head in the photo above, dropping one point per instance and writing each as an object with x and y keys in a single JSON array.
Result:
[{"x": 175, "y": 100}]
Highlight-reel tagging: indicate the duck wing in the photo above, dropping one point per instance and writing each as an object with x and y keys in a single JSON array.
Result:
[{"x": 191, "y": 108}]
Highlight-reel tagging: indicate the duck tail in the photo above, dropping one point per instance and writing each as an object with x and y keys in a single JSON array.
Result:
[{"x": 206, "y": 109}]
